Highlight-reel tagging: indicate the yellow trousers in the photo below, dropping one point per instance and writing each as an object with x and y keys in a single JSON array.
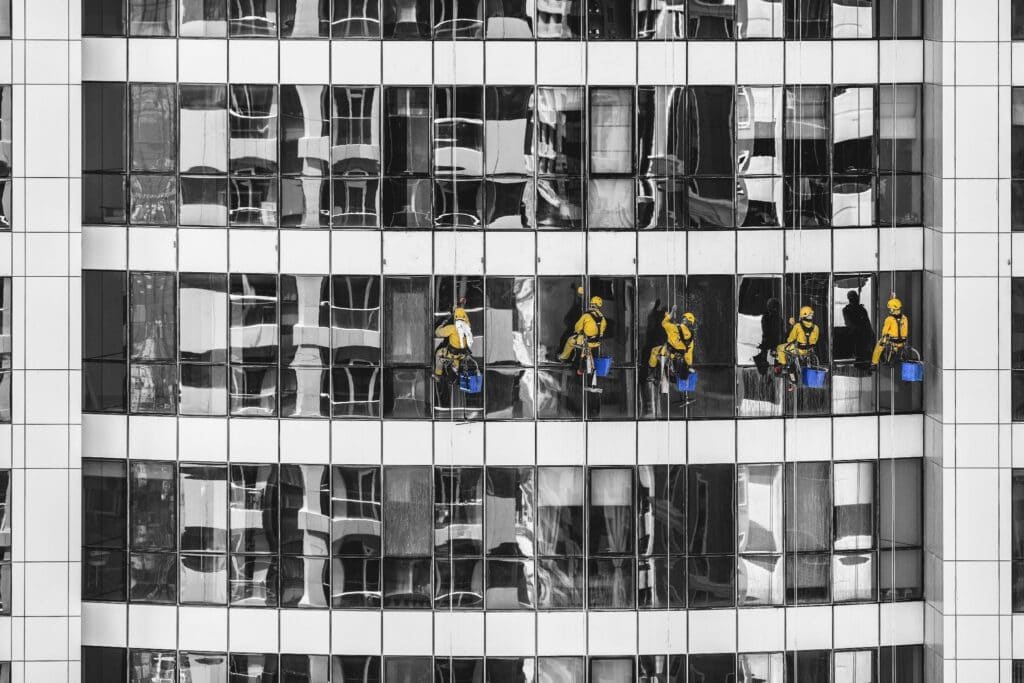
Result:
[
  {"x": 784, "y": 351},
  {"x": 576, "y": 340},
  {"x": 888, "y": 348}
]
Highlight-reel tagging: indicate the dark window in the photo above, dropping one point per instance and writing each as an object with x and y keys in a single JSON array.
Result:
[
  {"x": 99, "y": 17},
  {"x": 104, "y": 664},
  {"x": 104, "y": 530},
  {"x": 104, "y": 152}
]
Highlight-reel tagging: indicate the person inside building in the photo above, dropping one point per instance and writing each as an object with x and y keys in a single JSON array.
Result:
[
  {"x": 456, "y": 336},
  {"x": 585, "y": 339},
  {"x": 677, "y": 350},
  {"x": 771, "y": 334},
  {"x": 895, "y": 331},
  {"x": 857, "y": 321},
  {"x": 802, "y": 339}
]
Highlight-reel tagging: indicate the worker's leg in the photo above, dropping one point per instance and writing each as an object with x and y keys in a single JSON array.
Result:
[
  {"x": 439, "y": 359},
  {"x": 877, "y": 354},
  {"x": 570, "y": 347},
  {"x": 652, "y": 361},
  {"x": 780, "y": 354}
]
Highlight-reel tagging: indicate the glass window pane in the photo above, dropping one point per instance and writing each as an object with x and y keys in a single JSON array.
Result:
[
  {"x": 711, "y": 509},
  {"x": 103, "y": 127},
  {"x": 899, "y": 128},
  {"x": 203, "y": 18},
  {"x": 407, "y": 127},
  {"x": 902, "y": 19},
  {"x": 104, "y": 503},
  {"x": 355, "y": 319},
  {"x": 509, "y": 507},
  {"x": 611, "y": 130},
  {"x": 458, "y": 511},
  {"x": 759, "y": 496},
  {"x": 305, "y": 127},
  {"x": 709, "y": 143},
  {"x": 611, "y": 511},
  {"x": 153, "y": 317},
  {"x": 718, "y": 668},
  {"x": 100, "y": 664},
  {"x": 760, "y": 668},
  {"x": 854, "y": 501},
  {"x": 253, "y": 122},
  {"x": 254, "y": 508},
  {"x": 148, "y": 666},
  {"x": 203, "y": 667},
  {"x": 900, "y": 503},
  {"x": 203, "y": 579},
  {"x": 561, "y": 670},
  {"x": 408, "y": 583},
  {"x": 619, "y": 670},
  {"x": 153, "y": 130},
  {"x": 204, "y": 127},
  {"x": 560, "y": 492},
  {"x": 203, "y": 508},
  {"x": 204, "y": 201},
  {"x": 153, "y": 577},
  {"x": 356, "y": 19},
  {"x": 253, "y": 18},
  {"x": 153, "y": 200},
  {"x": 153, "y": 506},
  {"x": 408, "y": 514},
  {"x": 406, "y": 19},
  {"x": 204, "y": 307},
  {"x": 808, "y": 506},
  {"x": 151, "y": 17},
  {"x": 100, "y": 18},
  {"x": 253, "y": 318},
  {"x": 407, "y": 301}
]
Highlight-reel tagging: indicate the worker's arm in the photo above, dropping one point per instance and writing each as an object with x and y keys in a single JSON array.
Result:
[
  {"x": 889, "y": 328},
  {"x": 794, "y": 334},
  {"x": 445, "y": 330},
  {"x": 581, "y": 324}
]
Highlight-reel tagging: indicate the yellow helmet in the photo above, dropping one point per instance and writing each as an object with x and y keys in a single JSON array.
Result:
[
  {"x": 806, "y": 313},
  {"x": 460, "y": 314},
  {"x": 596, "y": 301},
  {"x": 690, "y": 319},
  {"x": 895, "y": 306}
]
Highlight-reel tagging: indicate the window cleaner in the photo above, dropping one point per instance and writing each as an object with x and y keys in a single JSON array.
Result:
[
  {"x": 799, "y": 348},
  {"x": 891, "y": 348},
  {"x": 456, "y": 345},
  {"x": 675, "y": 356},
  {"x": 583, "y": 346}
]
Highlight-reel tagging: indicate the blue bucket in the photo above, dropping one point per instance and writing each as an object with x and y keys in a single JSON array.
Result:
[
  {"x": 471, "y": 383},
  {"x": 813, "y": 377},
  {"x": 912, "y": 371},
  {"x": 688, "y": 384},
  {"x": 602, "y": 366}
]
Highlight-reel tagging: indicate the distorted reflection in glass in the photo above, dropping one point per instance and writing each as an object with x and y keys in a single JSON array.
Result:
[
  {"x": 204, "y": 128},
  {"x": 406, "y": 19},
  {"x": 899, "y": 154},
  {"x": 558, "y": 144},
  {"x": 203, "y": 336},
  {"x": 760, "y": 328},
  {"x": 609, "y": 670},
  {"x": 153, "y": 335},
  {"x": 759, "y": 116},
  {"x": 806, "y": 158},
  {"x": 760, "y": 668},
  {"x": 151, "y": 17},
  {"x": 710, "y": 21},
  {"x": 661, "y": 20},
  {"x": 305, "y": 346},
  {"x": 853, "y": 156},
  {"x": 203, "y": 19},
  {"x": 253, "y": 18},
  {"x": 307, "y": 18},
  {"x": 560, "y": 19}
]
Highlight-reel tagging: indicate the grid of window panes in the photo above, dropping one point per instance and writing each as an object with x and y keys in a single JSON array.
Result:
[
  {"x": 1017, "y": 159},
  {"x": 1017, "y": 350},
  {"x": 6, "y": 343},
  {"x": 507, "y": 20},
  {"x": 362, "y": 346},
  {"x": 902, "y": 664},
  {"x": 502, "y": 538},
  {"x": 501, "y": 157}
]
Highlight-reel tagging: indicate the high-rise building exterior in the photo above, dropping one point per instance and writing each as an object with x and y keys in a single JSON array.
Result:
[{"x": 466, "y": 340}]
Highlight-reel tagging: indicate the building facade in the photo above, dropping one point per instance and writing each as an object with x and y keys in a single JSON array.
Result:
[{"x": 238, "y": 447}]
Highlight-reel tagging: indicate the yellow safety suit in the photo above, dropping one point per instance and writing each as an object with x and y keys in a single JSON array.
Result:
[
  {"x": 453, "y": 346},
  {"x": 679, "y": 341},
  {"x": 895, "y": 330},
  {"x": 589, "y": 330},
  {"x": 800, "y": 343}
]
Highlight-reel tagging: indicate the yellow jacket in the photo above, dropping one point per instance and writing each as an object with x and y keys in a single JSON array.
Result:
[
  {"x": 680, "y": 337},
  {"x": 450, "y": 334},
  {"x": 804, "y": 338},
  {"x": 591, "y": 325},
  {"x": 894, "y": 330}
]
